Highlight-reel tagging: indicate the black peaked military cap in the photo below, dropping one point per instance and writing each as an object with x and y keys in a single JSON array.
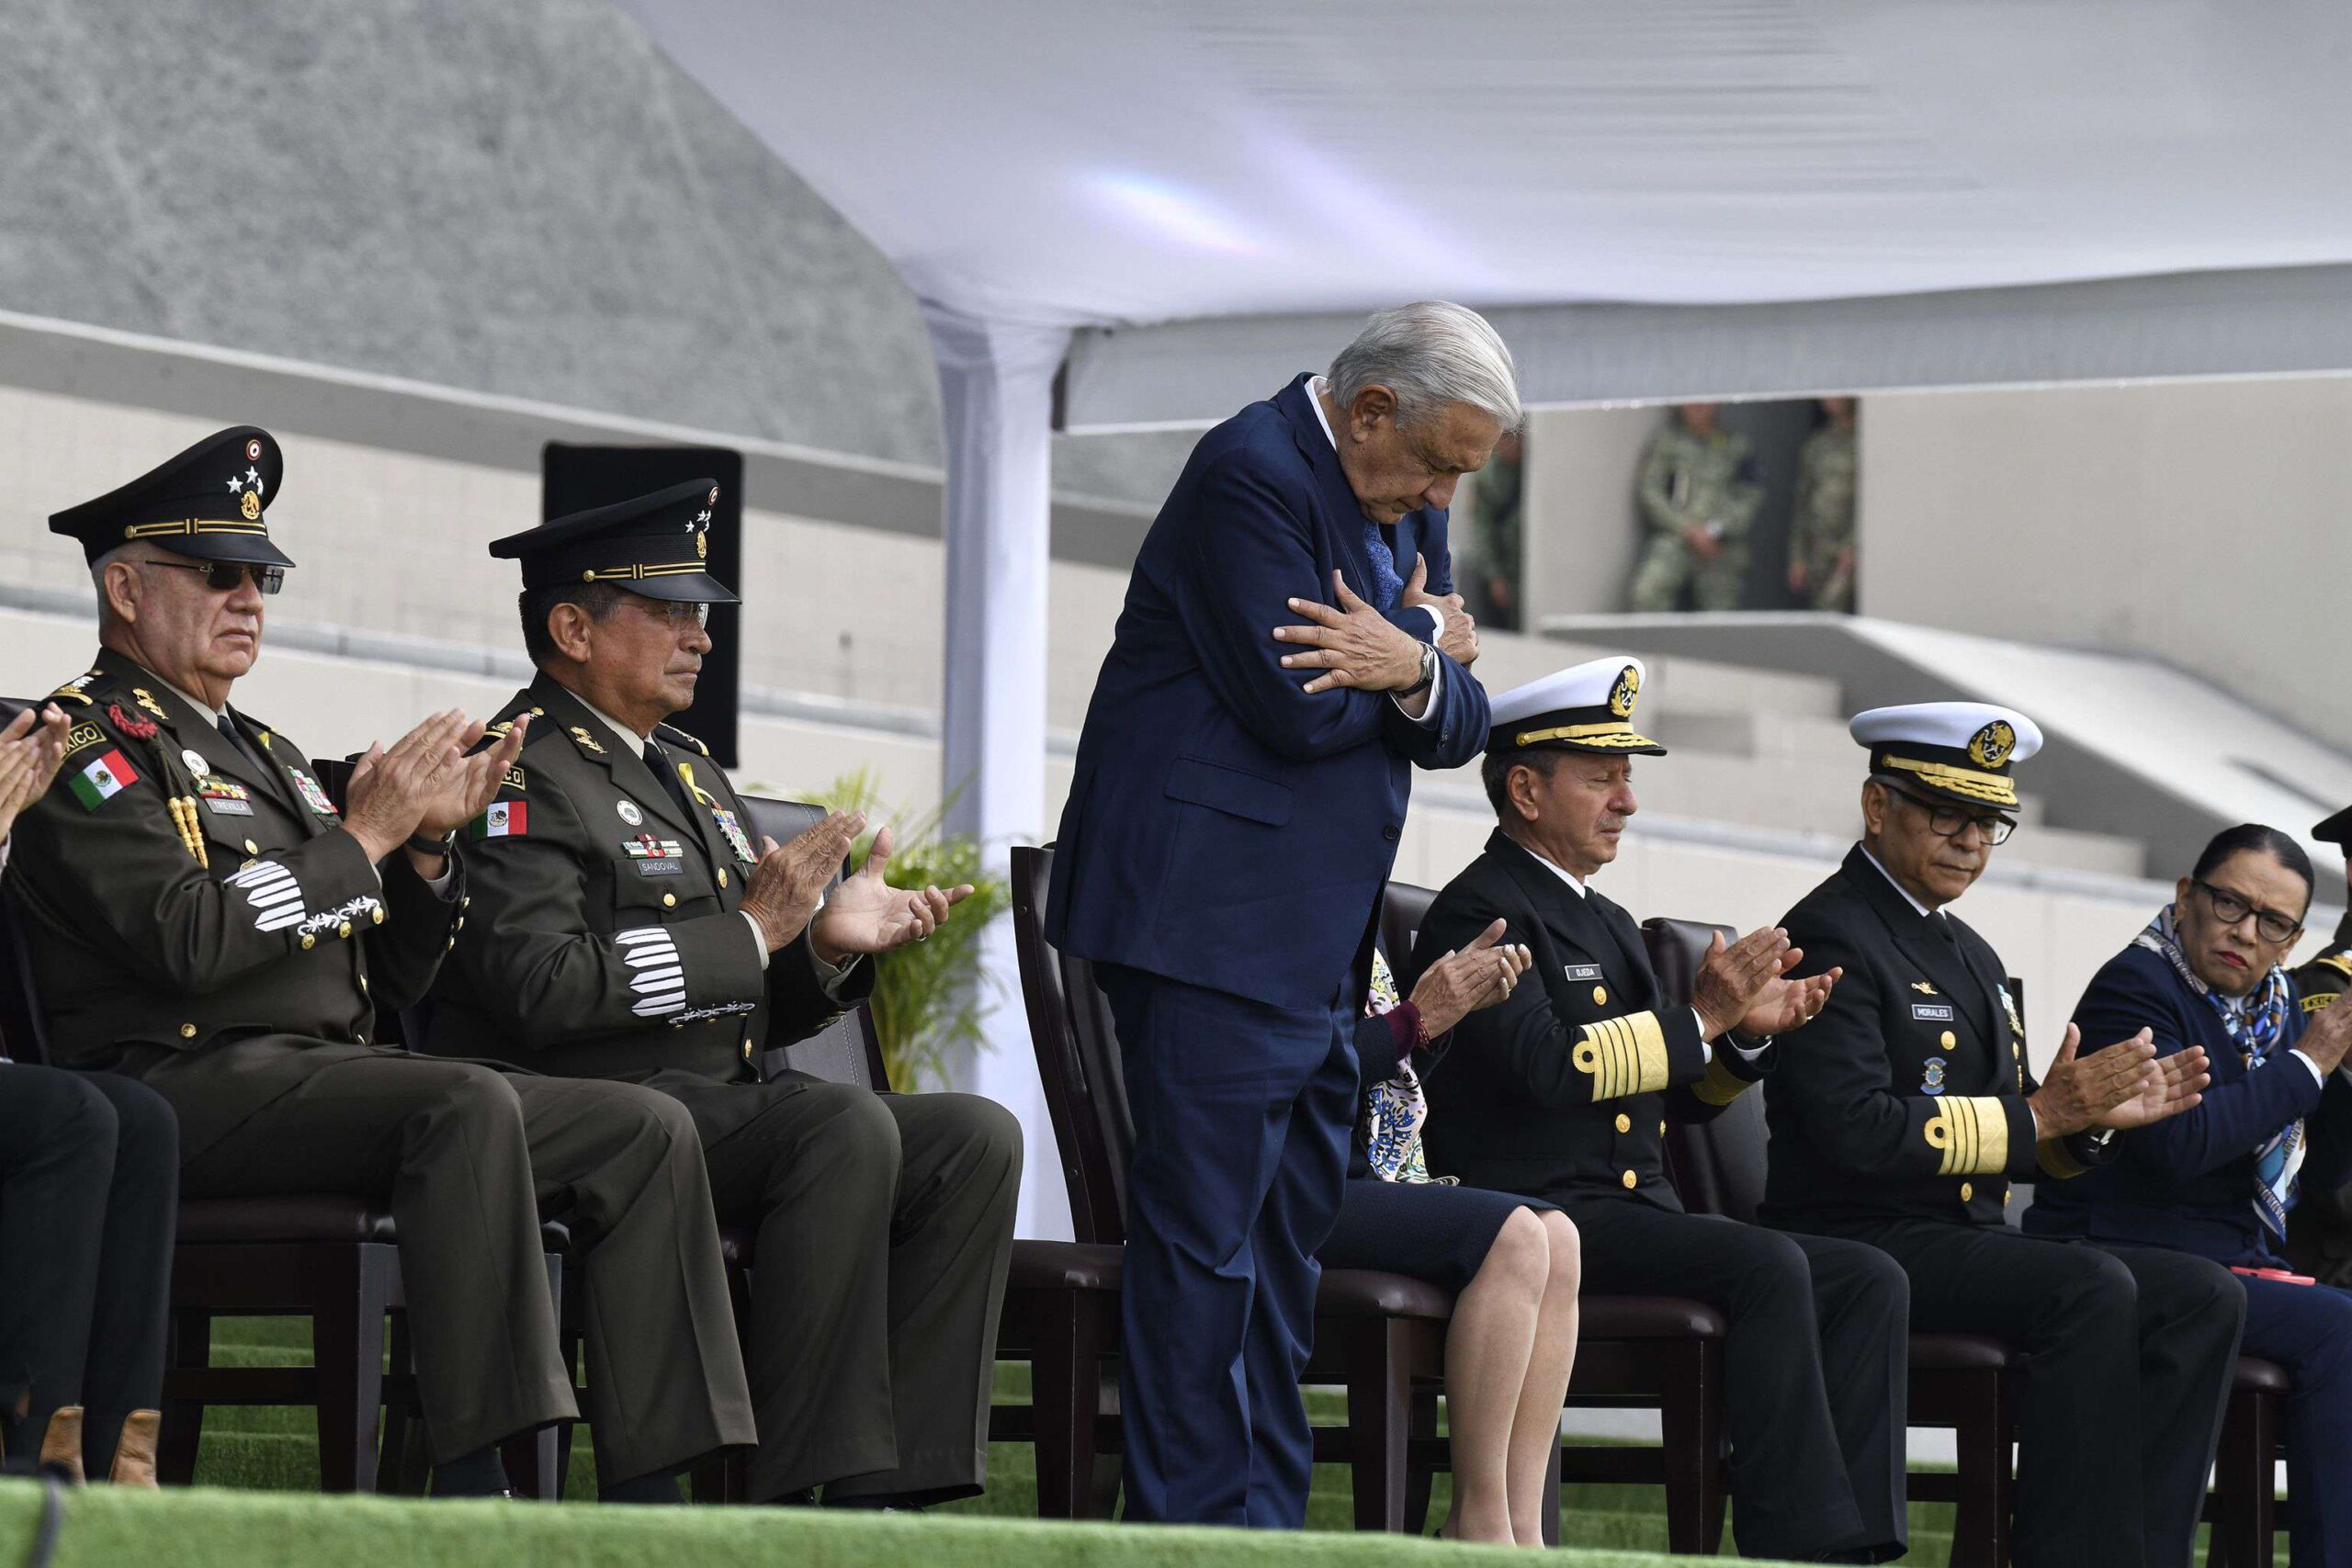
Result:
[
  {"x": 2336, "y": 830},
  {"x": 654, "y": 544},
  {"x": 207, "y": 503}
]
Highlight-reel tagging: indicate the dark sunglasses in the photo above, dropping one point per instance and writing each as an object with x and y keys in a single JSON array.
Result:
[{"x": 223, "y": 576}]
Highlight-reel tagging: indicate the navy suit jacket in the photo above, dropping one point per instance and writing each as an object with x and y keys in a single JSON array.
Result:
[
  {"x": 2188, "y": 1182},
  {"x": 1224, "y": 827}
]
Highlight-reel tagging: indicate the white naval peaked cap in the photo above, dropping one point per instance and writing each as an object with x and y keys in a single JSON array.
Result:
[
  {"x": 1586, "y": 708},
  {"x": 1965, "y": 750}
]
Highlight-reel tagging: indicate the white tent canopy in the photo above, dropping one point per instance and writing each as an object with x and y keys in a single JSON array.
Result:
[{"x": 1670, "y": 197}]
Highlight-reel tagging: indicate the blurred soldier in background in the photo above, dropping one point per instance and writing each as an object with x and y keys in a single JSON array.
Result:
[
  {"x": 1699, "y": 492},
  {"x": 1491, "y": 588},
  {"x": 1821, "y": 533}
]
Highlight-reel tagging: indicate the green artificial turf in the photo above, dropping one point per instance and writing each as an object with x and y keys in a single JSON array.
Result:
[{"x": 247, "y": 1449}]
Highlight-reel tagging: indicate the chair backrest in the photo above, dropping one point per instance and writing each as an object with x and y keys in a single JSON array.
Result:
[
  {"x": 848, "y": 1050},
  {"x": 1077, "y": 1060},
  {"x": 1402, "y": 909},
  {"x": 1718, "y": 1166}
]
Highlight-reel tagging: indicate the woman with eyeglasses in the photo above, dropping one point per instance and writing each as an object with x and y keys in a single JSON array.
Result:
[{"x": 2218, "y": 1180}]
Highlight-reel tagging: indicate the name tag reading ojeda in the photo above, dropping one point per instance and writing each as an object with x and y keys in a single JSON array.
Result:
[{"x": 1582, "y": 971}]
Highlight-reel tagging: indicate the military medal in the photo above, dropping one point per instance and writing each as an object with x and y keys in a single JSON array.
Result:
[
  {"x": 224, "y": 797},
  {"x": 195, "y": 762},
  {"x": 628, "y": 812},
  {"x": 733, "y": 829},
  {"x": 312, "y": 796}
]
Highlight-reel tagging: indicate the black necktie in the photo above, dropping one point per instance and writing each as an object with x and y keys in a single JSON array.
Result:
[
  {"x": 237, "y": 741},
  {"x": 668, "y": 774}
]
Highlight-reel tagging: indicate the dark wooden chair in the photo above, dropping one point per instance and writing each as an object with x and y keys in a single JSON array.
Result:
[
  {"x": 1381, "y": 1335},
  {"x": 1966, "y": 1382}
]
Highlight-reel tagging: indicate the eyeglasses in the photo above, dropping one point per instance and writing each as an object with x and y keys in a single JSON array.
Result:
[
  {"x": 676, "y": 615},
  {"x": 2231, "y": 907},
  {"x": 1950, "y": 822},
  {"x": 223, "y": 576}
]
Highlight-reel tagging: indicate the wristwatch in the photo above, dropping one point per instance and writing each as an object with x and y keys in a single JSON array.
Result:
[
  {"x": 1429, "y": 672},
  {"x": 426, "y": 846}
]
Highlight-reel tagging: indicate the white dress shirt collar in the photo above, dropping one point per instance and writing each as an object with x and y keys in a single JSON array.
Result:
[{"x": 1922, "y": 909}]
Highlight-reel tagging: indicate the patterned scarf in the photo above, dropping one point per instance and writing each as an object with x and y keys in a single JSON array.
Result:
[
  {"x": 2256, "y": 1026},
  {"x": 1395, "y": 1108}
]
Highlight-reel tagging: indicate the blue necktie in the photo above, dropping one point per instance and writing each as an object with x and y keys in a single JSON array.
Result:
[{"x": 1386, "y": 584}]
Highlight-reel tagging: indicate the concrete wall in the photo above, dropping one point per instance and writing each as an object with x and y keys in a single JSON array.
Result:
[
  {"x": 1580, "y": 537},
  {"x": 2202, "y": 523}
]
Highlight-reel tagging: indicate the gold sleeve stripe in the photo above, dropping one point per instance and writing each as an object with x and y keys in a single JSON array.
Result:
[
  {"x": 2050, "y": 1154},
  {"x": 1971, "y": 1133},
  {"x": 1624, "y": 1056},
  {"x": 1721, "y": 1086}
]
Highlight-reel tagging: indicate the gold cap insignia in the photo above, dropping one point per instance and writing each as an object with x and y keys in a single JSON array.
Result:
[
  {"x": 1623, "y": 695},
  {"x": 1990, "y": 746},
  {"x": 249, "y": 504},
  {"x": 702, "y": 546}
]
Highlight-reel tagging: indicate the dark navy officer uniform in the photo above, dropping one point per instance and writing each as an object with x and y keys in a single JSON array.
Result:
[
  {"x": 1563, "y": 1091},
  {"x": 1899, "y": 1117},
  {"x": 1221, "y": 860}
]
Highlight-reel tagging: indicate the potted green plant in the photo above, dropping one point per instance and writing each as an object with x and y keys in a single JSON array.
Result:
[{"x": 929, "y": 997}]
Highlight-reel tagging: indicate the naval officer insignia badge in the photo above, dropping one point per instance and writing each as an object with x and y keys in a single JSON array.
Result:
[{"x": 1932, "y": 1081}]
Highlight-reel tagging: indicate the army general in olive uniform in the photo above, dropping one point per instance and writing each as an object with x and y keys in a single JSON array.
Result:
[
  {"x": 626, "y": 927},
  {"x": 202, "y": 916},
  {"x": 1900, "y": 1116},
  {"x": 1699, "y": 492},
  {"x": 1563, "y": 1091}
]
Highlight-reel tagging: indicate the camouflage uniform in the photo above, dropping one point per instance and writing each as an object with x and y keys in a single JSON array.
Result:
[
  {"x": 1707, "y": 481},
  {"x": 1823, "y": 529}
]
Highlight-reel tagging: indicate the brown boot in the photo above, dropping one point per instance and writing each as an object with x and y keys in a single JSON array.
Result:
[
  {"x": 134, "y": 1451},
  {"x": 60, "y": 1446}
]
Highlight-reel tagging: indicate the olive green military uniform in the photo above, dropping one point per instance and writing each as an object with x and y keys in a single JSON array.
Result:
[
  {"x": 1693, "y": 480},
  {"x": 1821, "y": 534},
  {"x": 608, "y": 941},
  {"x": 2319, "y": 1227},
  {"x": 199, "y": 920}
]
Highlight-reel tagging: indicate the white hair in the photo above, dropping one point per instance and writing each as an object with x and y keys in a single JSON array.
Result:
[
  {"x": 98, "y": 579},
  {"x": 1429, "y": 353}
]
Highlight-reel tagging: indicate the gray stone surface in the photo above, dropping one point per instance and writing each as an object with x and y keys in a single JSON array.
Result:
[{"x": 523, "y": 198}]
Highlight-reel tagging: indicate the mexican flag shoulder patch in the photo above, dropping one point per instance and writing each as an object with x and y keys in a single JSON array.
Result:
[
  {"x": 503, "y": 820},
  {"x": 101, "y": 781}
]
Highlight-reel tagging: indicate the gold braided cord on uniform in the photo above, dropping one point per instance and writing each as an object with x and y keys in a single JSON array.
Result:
[
  {"x": 1995, "y": 789},
  {"x": 2051, "y": 1157},
  {"x": 189, "y": 825},
  {"x": 1972, "y": 1134},
  {"x": 2339, "y": 962},
  {"x": 1721, "y": 1086},
  {"x": 1614, "y": 733},
  {"x": 1624, "y": 1056},
  {"x": 2319, "y": 999},
  {"x": 635, "y": 572},
  {"x": 193, "y": 526}
]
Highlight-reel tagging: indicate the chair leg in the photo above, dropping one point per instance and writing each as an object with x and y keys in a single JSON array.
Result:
[
  {"x": 1065, "y": 1370},
  {"x": 1551, "y": 1515},
  {"x": 1981, "y": 1439},
  {"x": 352, "y": 1294},
  {"x": 1379, "y": 1387},
  {"x": 184, "y": 1418},
  {"x": 403, "y": 1460},
  {"x": 2244, "y": 1486},
  {"x": 1423, "y": 1423},
  {"x": 1690, "y": 1421}
]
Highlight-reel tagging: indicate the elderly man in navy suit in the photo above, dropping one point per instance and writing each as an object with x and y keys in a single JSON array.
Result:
[{"x": 1290, "y": 647}]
